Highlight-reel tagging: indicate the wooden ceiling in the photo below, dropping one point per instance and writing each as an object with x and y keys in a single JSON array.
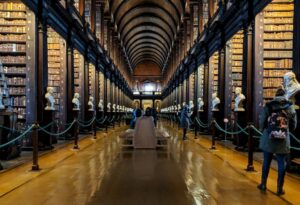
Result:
[{"x": 147, "y": 29}]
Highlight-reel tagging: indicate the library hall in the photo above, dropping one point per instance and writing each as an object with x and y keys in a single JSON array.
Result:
[{"x": 149, "y": 102}]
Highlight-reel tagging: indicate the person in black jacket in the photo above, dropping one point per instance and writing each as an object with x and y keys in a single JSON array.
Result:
[{"x": 278, "y": 146}]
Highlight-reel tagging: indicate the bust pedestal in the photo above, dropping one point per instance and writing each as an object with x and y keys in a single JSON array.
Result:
[
  {"x": 8, "y": 119},
  {"x": 45, "y": 141},
  {"x": 217, "y": 117},
  {"x": 240, "y": 140}
]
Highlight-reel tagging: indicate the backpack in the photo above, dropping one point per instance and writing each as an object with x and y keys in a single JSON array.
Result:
[{"x": 278, "y": 124}]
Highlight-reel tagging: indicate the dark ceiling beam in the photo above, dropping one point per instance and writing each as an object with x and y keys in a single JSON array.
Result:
[
  {"x": 142, "y": 41},
  {"x": 117, "y": 9},
  {"x": 147, "y": 52},
  {"x": 153, "y": 50},
  {"x": 147, "y": 33},
  {"x": 148, "y": 26},
  {"x": 147, "y": 45},
  {"x": 145, "y": 8},
  {"x": 147, "y": 17}
]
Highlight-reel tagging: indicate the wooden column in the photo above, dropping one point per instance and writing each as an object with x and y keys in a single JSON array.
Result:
[
  {"x": 81, "y": 7},
  {"x": 249, "y": 71},
  {"x": 296, "y": 42},
  {"x": 191, "y": 26},
  {"x": 221, "y": 81},
  {"x": 97, "y": 89},
  {"x": 42, "y": 68},
  {"x": 84, "y": 107},
  {"x": 102, "y": 24},
  {"x": 70, "y": 78},
  {"x": 93, "y": 16},
  {"x": 211, "y": 8},
  {"x": 105, "y": 92},
  {"x": 200, "y": 17},
  {"x": 196, "y": 82},
  {"x": 205, "y": 91}
]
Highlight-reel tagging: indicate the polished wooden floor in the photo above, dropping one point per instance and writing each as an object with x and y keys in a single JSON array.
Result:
[{"x": 103, "y": 173}]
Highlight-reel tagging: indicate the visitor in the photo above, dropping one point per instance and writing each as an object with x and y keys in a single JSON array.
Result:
[
  {"x": 154, "y": 115},
  {"x": 278, "y": 118},
  {"x": 135, "y": 114},
  {"x": 184, "y": 121},
  {"x": 144, "y": 132}
]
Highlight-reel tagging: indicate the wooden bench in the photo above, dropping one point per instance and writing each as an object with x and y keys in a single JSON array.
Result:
[{"x": 162, "y": 138}]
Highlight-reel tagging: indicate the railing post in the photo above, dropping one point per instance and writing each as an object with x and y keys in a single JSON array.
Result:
[
  {"x": 76, "y": 129},
  {"x": 250, "y": 167},
  {"x": 214, "y": 131},
  {"x": 35, "y": 151}
]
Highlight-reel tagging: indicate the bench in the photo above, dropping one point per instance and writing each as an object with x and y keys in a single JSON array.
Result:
[{"x": 162, "y": 138}]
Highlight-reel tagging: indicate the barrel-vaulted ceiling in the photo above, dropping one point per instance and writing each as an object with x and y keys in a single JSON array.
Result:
[{"x": 147, "y": 28}]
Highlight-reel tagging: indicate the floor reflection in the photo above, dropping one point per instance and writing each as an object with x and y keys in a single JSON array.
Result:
[{"x": 104, "y": 173}]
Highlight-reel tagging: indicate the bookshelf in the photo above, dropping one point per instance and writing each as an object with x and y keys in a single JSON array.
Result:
[
  {"x": 57, "y": 71},
  {"x": 277, "y": 45},
  {"x": 92, "y": 85},
  {"x": 235, "y": 65},
  {"x": 101, "y": 86},
  {"x": 15, "y": 51},
  {"x": 191, "y": 87},
  {"x": 200, "y": 81},
  {"x": 273, "y": 49},
  {"x": 214, "y": 73}
]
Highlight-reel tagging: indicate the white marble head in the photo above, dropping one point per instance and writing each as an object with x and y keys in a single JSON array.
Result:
[
  {"x": 50, "y": 99},
  {"x": 76, "y": 102},
  {"x": 291, "y": 85}
]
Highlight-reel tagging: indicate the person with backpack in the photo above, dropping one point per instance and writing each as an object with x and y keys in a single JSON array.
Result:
[{"x": 278, "y": 118}]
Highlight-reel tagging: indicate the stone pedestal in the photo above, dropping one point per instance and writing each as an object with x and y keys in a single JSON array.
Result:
[
  {"x": 241, "y": 139},
  {"x": 45, "y": 141},
  {"x": 8, "y": 119},
  {"x": 216, "y": 115}
]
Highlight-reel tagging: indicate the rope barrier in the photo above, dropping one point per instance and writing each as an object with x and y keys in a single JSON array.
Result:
[
  {"x": 256, "y": 130},
  {"x": 101, "y": 122},
  {"x": 237, "y": 124},
  {"x": 226, "y": 132},
  {"x": 201, "y": 124},
  {"x": 19, "y": 137},
  {"x": 294, "y": 137},
  {"x": 46, "y": 126},
  {"x": 61, "y": 133},
  {"x": 88, "y": 121},
  {"x": 87, "y": 125}
]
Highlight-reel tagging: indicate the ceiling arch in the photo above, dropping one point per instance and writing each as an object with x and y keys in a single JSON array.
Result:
[{"x": 147, "y": 28}]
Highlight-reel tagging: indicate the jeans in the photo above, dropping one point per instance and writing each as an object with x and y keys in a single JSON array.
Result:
[{"x": 281, "y": 161}]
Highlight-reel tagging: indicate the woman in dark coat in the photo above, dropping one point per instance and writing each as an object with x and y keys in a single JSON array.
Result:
[
  {"x": 280, "y": 147},
  {"x": 184, "y": 120}
]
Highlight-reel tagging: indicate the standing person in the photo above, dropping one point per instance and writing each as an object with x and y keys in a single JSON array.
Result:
[
  {"x": 144, "y": 132},
  {"x": 154, "y": 115},
  {"x": 278, "y": 118},
  {"x": 184, "y": 121}
]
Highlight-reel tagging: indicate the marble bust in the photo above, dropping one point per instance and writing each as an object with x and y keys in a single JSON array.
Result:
[
  {"x": 239, "y": 99},
  {"x": 76, "y": 102},
  {"x": 109, "y": 107},
  {"x": 178, "y": 107},
  {"x": 91, "y": 104},
  {"x": 215, "y": 102},
  {"x": 114, "y": 107},
  {"x": 200, "y": 104},
  {"x": 100, "y": 105},
  {"x": 191, "y": 108},
  {"x": 2, "y": 107},
  {"x": 183, "y": 104},
  {"x": 50, "y": 99},
  {"x": 291, "y": 86}
]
